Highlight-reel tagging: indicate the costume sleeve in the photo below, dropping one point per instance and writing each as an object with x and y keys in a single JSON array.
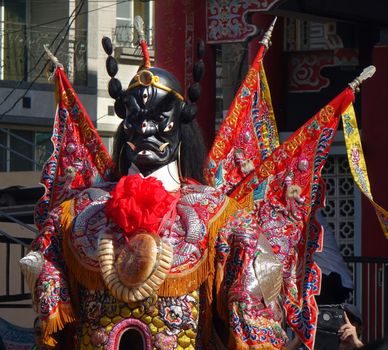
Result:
[
  {"x": 248, "y": 282},
  {"x": 44, "y": 270}
]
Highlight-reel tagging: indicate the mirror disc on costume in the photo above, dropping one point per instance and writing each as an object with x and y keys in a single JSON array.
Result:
[{"x": 137, "y": 259}]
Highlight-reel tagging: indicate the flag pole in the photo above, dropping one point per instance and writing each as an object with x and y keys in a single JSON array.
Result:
[
  {"x": 265, "y": 41},
  {"x": 54, "y": 60},
  {"x": 367, "y": 73}
]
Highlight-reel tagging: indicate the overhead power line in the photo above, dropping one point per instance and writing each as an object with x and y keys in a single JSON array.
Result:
[
  {"x": 43, "y": 69},
  {"x": 65, "y": 18},
  {"x": 38, "y": 61}
]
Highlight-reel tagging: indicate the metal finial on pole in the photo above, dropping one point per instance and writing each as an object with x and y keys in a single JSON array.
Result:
[
  {"x": 53, "y": 59},
  {"x": 365, "y": 74},
  {"x": 139, "y": 27},
  {"x": 266, "y": 40},
  {"x": 138, "y": 24}
]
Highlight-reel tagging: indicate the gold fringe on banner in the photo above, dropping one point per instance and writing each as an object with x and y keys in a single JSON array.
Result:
[
  {"x": 188, "y": 281},
  {"x": 218, "y": 221},
  {"x": 358, "y": 165},
  {"x": 83, "y": 275},
  {"x": 62, "y": 316},
  {"x": 203, "y": 273}
]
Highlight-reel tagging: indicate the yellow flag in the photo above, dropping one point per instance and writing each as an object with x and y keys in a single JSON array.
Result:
[{"x": 357, "y": 163}]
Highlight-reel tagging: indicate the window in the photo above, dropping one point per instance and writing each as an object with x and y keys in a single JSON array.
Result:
[
  {"x": 125, "y": 14},
  {"x": 108, "y": 142},
  {"x": 26, "y": 25},
  {"x": 21, "y": 154},
  {"x": 13, "y": 39},
  {"x": 24, "y": 150}
]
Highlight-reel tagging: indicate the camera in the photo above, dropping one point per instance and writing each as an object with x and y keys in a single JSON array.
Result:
[{"x": 330, "y": 318}]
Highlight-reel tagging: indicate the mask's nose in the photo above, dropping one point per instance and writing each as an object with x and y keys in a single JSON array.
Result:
[{"x": 148, "y": 128}]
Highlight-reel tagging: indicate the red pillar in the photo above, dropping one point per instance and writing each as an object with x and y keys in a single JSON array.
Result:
[
  {"x": 179, "y": 24},
  {"x": 375, "y": 146}
]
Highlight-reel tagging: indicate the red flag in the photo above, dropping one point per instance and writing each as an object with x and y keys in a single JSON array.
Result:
[
  {"x": 287, "y": 189},
  {"x": 79, "y": 157},
  {"x": 247, "y": 136}
]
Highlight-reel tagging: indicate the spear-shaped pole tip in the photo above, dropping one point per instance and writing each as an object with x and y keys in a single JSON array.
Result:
[
  {"x": 138, "y": 24},
  {"x": 51, "y": 57},
  {"x": 365, "y": 74},
  {"x": 266, "y": 40},
  {"x": 139, "y": 28}
]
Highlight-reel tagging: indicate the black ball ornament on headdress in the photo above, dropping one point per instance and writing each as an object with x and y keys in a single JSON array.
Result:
[{"x": 153, "y": 110}]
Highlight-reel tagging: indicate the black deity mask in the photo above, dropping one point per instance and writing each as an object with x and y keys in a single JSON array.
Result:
[
  {"x": 153, "y": 106},
  {"x": 153, "y": 110}
]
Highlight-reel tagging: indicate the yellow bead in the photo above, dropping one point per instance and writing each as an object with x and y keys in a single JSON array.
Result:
[
  {"x": 125, "y": 312},
  {"x": 105, "y": 321},
  {"x": 153, "y": 311},
  {"x": 117, "y": 319},
  {"x": 108, "y": 328},
  {"x": 158, "y": 322},
  {"x": 184, "y": 341},
  {"x": 191, "y": 334},
  {"x": 138, "y": 312},
  {"x": 194, "y": 312},
  {"x": 153, "y": 329},
  {"x": 146, "y": 319}
]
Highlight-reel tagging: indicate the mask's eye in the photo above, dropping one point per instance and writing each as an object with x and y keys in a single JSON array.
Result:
[{"x": 169, "y": 127}]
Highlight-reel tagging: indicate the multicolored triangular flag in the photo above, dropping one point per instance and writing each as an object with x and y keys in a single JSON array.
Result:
[
  {"x": 79, "y": 157},
  {"x": 248, "y": 134},
  {"x": 286, "y": 190}
]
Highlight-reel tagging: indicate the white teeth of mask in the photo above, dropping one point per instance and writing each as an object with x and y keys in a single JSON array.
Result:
[{"x": 163, "y": 146}]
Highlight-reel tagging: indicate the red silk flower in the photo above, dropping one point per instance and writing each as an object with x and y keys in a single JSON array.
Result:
[{"x": 138, "y": 203}]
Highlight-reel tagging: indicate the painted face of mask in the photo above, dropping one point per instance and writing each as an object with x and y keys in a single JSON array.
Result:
[{"x": 152, "y": 123}]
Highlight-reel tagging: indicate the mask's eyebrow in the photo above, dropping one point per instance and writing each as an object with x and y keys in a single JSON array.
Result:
[{"x": 166, "y": 104}]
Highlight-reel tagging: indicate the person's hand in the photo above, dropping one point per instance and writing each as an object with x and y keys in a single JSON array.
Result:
[
  {"x": 348, "y": 334},
  {"x": 294, "y": 343}
]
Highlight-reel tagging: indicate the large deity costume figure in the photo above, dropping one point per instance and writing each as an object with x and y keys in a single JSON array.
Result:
[
  {"x": 138, "y": 253},
  {"x": 139, "y": 256}
]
